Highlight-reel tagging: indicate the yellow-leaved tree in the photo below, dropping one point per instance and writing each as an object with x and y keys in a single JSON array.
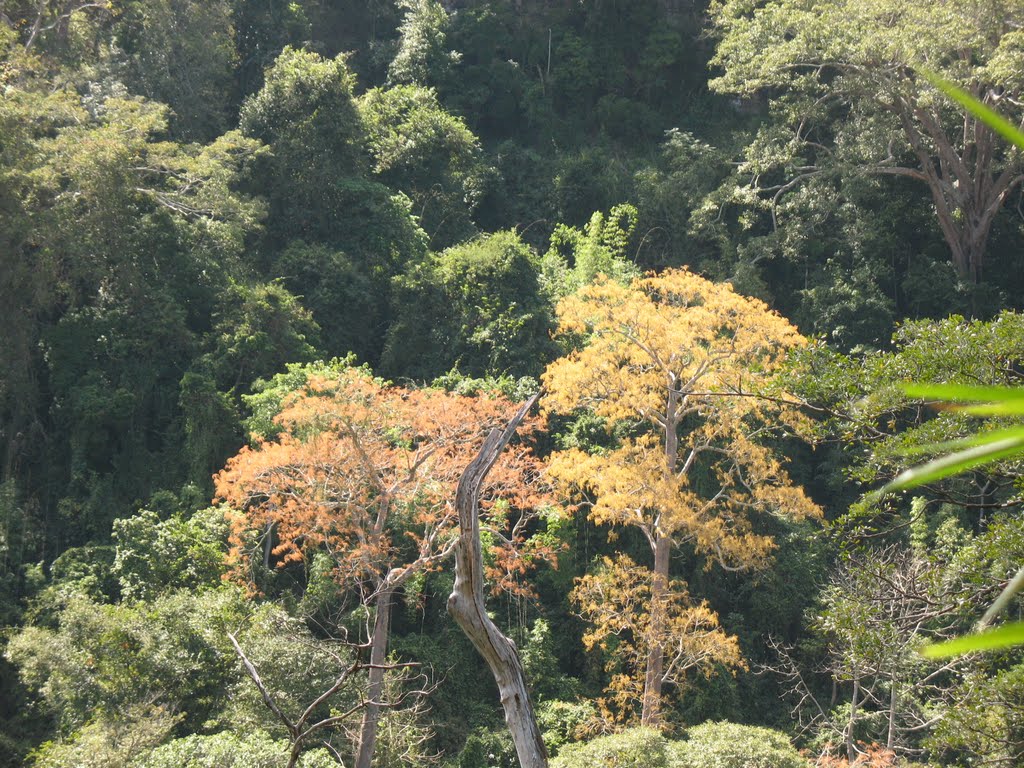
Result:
[{"x": 691, "y": 362}]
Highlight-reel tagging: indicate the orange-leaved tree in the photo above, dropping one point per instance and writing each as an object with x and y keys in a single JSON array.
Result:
[
  {"x": 688, "y": 362},
  {"x": 367, "y": 473}
]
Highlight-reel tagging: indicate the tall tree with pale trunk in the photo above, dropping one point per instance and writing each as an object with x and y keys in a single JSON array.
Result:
[{"x": 686, "y": 359}]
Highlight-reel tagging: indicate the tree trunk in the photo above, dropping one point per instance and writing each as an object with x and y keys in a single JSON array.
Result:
[
  {"x": 650, "y": 714},
  {"x": 965, "y": 185},
  {"x": 466, "y": 603},
  {"x": 890, "y": 741},
  {"x": 851, "y": 749},
  {"x": 375, "y": 689},
  {"x": 268, "y": 538}
]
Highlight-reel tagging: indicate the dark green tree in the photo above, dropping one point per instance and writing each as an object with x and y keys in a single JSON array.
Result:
[
  {"x": 182, "y": 54},
  {"x": 479, "y": 307},
  {"x": 320, "y": 194},
  {"x": 430, "y": 155}
]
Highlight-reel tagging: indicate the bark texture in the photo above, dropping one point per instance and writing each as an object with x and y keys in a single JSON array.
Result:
[
  {"x": 466, "y": 603},
  {"x": 654, "y": 676},
  {"x": 968, "y": 183},
  {"x": 378, "y": 657}
]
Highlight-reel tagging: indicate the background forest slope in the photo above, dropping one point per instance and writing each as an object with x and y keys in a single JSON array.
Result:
[{"x": 270, "y": 269}]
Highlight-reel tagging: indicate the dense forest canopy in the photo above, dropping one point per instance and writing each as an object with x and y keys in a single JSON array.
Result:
[{"x": 273, "y": 270}]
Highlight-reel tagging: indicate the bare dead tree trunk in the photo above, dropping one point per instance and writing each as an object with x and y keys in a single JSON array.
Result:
[
  {"x": 466, "y": 603},
  {"x": 375, "y": 689}
]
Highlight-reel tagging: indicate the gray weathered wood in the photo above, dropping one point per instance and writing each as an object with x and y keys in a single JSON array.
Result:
[{"x": 467, "y": 607}]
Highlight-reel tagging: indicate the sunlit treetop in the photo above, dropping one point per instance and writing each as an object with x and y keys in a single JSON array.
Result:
[
  {"x": 368, "y": 472},
  {"x": 673, "y": 332},
  {"x": 695, "y": 361}
]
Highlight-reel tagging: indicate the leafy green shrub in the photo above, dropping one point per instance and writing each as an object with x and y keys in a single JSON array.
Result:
[
  {"x": 633, "y": 748},
  {"x": 227, "y": 750},
  {"x": 104, "y": 659},
  {"x": 563, "y": 722},
  {"x": 730, "y": 745},
  {"x": 488, "y": 749},
  {"x": 114, "y": 742},
  {"x": 155, "y": 556},
  {"x": 479, "y": 306}
]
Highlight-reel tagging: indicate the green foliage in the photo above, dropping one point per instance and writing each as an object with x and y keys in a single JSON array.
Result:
[
  {"x": 517, "y": 390},
  {"x": 306, "y": 108},
  {"x": 155, "y": 263},
  {"x": 122, "y": 247},
  {"x": 421, "y": 56},
  {"x": 182, "y": 54},
  {"x": 428, "y": 154},
  {"x": 262, "y": 29},
  {"x": 103, "y": 659},
  {"x": 880, "y": 607},
  {"x": 336, "y": 235},
  {"x": 16, "y": 539},
  {"x": 848, "y": 307},
  {"x": 80, "y": 571},
  {"x": 588, "y": 180},
  {"x": 546, "y": 684},
  {"x": 866, "y": 390},
  {"x": 488, "y": 749},
  {"x": 156, "y": 556},
  {"x": 669, "y": 191},
  {"x": 492, "y": 82},
  {"x": 257, "y": 330},
  {"x": 576, "y": 257},
  {"x": 370, "y": 235},
  {"x": 338, "y": 292},
  {"x": 479, "y": 307},
  {"x": 973, "y": 452},
  {"x": 118, "y": 742},
  {"x": 210, "y": 423},
  {"x": 295, "y": 666},
  {"x": 307, "y": 113},
  {"x": 268, "y": 394},
  {"x": 462, "y": 709},
  {"x": 256, "y": 749},
  {"x": 986, "y": 721},
  {"x": 730, "y": 745},
  {"x": 563, "y": 722},
  {"x": 103, "y": 662},
  {"x": 845, "y": 102},
  {"x": 633, "y": 748}
]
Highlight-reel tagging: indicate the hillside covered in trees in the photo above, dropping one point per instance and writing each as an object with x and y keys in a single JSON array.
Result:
[{"x": 272, "y": 271}]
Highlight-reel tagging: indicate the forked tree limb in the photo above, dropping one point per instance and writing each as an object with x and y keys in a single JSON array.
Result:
[
  {"x": 301, "y": 730},
  {"x": 467, "y": 607},
  {"x": 268, "y": 700}
]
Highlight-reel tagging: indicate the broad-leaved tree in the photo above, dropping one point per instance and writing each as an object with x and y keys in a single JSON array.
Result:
[
  {"x": 849, "y": 97},
  {"x": 681, "y": 359},
  {"x": 367, "y": 473}
]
